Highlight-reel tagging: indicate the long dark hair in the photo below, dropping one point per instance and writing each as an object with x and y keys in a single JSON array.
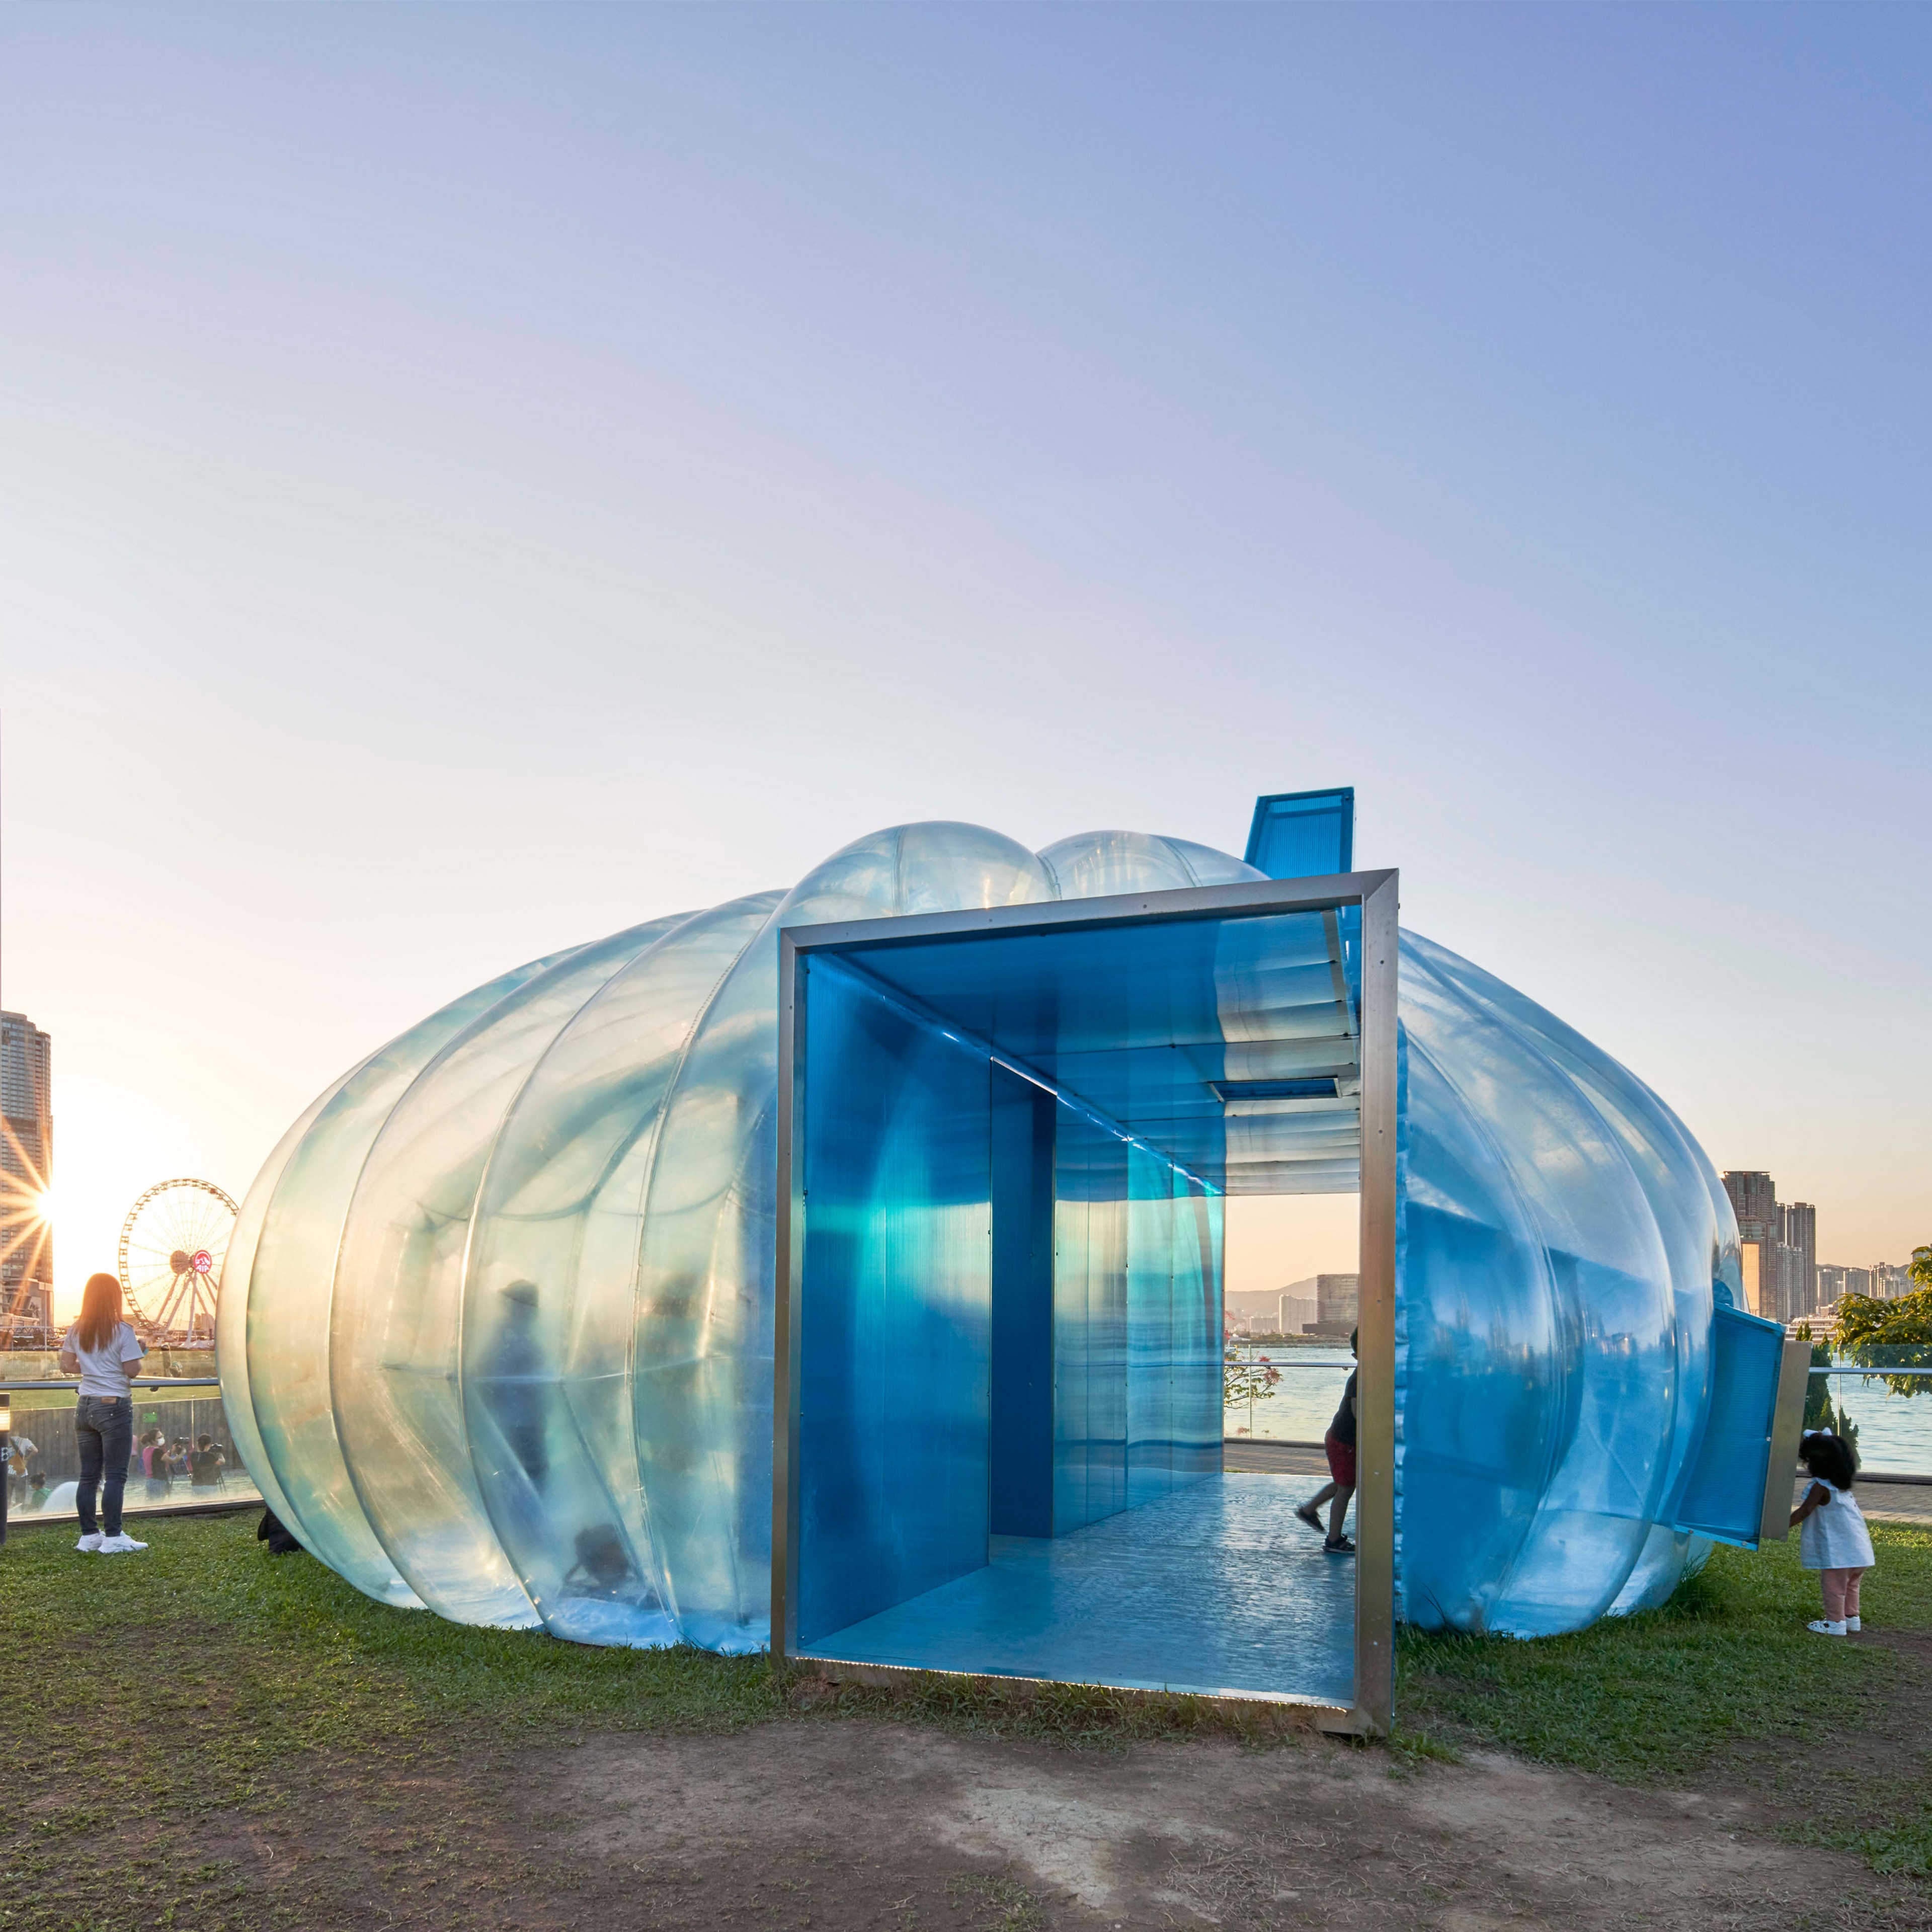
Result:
[
  {"x": 100, "y": 1312},
  {"x": 1832, "y": 1459}
]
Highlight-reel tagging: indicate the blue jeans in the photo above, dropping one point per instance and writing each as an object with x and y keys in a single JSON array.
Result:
[{"x": 105, "y": 1426}]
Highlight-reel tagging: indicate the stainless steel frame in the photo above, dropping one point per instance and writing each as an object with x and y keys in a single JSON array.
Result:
[
  {"x": 1376, "y": 893},
  {"x": 1787, "y": 1430}
]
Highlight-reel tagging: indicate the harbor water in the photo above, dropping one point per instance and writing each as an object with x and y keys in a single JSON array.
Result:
[{"x": 1893, "y": 1425}]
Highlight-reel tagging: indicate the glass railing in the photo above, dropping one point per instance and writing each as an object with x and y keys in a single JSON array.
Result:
[
  {"x": 183, "y": 1456},
  {"x": 1881, "y": 1397},
  {"x": 1301, "y": 1403}
]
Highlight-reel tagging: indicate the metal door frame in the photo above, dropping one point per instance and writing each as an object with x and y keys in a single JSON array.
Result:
[{"x": 1377, "y": 894}]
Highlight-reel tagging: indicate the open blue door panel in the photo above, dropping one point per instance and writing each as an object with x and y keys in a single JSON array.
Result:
[
  {"x": 1304, "y": 834},
  {"x": 1739, "y": 1488}
]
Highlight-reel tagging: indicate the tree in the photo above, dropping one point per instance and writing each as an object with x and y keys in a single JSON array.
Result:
[
  {"x": 1820, "y": 1412},
  {"x": 1893, "y": 1334}
]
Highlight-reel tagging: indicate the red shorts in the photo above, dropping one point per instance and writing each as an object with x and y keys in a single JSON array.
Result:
[{"x": 1341, "y": 1459}]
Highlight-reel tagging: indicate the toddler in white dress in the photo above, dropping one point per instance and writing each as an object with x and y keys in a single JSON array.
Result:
[{"x": 1834, "y": 1540}]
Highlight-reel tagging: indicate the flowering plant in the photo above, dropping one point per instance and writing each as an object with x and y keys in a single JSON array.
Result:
[{"x": 1246, "y": 1380}]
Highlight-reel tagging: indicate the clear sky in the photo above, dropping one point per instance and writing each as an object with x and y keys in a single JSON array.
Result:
[{"x": 477, "y": 477}]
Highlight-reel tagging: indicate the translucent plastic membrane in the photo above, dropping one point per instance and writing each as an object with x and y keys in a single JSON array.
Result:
[
  {"x": 560, "y": 1449},
  {"x": 231, "y": 1322},
  {"x": 496, "y": 1332},
  {"x": 393, "y": 1351},
  {"x": 1561, "y": 1234},
  {"x": 288, "y": 1296}
]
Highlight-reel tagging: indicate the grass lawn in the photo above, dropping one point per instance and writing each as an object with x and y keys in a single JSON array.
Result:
[
  {"x": 1724, "y": 1684},
  {"x": 179, "y": 1701}
]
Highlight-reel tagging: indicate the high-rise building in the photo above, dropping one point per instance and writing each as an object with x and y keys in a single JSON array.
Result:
[
  {"x": 1800, "y": 1236},
  {"x": 1754, "y": 1201},
  {"x": 1883, "y": 1281},
  {"x": 1760, "y": 1234},
  {"x": 1294, "y": 1311},
  {"x": 1337, "y": 1297},
  {"x": 26, "y": 1172},
  {"x": 1780, "y": 1247}
]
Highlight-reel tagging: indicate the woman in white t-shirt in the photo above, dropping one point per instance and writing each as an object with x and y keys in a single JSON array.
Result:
[{"x": 104, "y": 1351}]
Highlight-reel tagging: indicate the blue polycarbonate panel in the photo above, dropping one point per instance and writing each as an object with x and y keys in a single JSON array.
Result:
[
  {"x": 1152, "y": 1364},
  {"x": 1090, "y": 1323},
  {"x": 894, "y": 1343},
  {"x": 1094, "y": 1388},
  {"x": 1136, "y": 1327},
  {"x": 1020, "y": 1152},
  {"x": 1140, "y": 1023},
  {"x": 1304, "y": 834},
  {"x": 1723, "y": 1497},
  {"x": 1199, "y": 1411}
]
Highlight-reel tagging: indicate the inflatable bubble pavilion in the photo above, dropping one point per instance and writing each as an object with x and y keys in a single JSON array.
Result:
[{"x": 497, "y": 1326}]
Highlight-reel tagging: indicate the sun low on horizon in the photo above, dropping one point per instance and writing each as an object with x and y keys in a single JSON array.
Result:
[{"x": 112, "y": 1146}]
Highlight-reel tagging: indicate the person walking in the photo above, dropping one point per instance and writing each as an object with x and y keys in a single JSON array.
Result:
[
  {"x": 1834, "y": 1540},
  {"x": 103, "y": 1350},
  {"x": 1339, "y": 1443}
]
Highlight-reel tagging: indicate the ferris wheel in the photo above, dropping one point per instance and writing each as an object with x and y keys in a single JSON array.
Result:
[{"x": 172, "y": 1245}]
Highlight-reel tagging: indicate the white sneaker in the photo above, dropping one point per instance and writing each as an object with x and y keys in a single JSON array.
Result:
[
  {"x": 1853, "y": 1623},
  {"x": 1824, "y": 1629},
  {"x": 119, "y": 1546},
  {"x": 91, "y": 1542}
]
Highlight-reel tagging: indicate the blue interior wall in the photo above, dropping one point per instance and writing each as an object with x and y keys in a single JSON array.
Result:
[
  {"x": 1090, "y": 1323},
  {"x": 894, "y": 1325},
  {"x": 1022, "y": 1126},
  {"x": 1199, "y": 1414},
  {"x": 1174, "y": 1418},
  {"x": 1150, "y": 1363},
  {"x": 1137, "y": 1339},
  {"x": 1009, "y": 1317}
]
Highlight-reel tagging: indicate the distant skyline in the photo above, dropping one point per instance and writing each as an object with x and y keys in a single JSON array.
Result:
[{"x": 476, "y": 478}]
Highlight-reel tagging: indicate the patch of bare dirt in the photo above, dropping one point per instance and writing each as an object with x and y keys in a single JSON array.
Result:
[{"x": 862, "y": 1825}]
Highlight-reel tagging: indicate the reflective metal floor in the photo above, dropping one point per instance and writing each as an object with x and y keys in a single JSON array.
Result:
[{"x": 1216, "y": 1589}]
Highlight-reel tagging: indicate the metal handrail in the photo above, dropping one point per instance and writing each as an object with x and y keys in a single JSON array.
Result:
[
  {"x": 1280, "y": 1362},
  {"x": 1274, "y": 1362},
  {"x": 137, "y": 1382},
  {"x": 1881, "y": 1370}
]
